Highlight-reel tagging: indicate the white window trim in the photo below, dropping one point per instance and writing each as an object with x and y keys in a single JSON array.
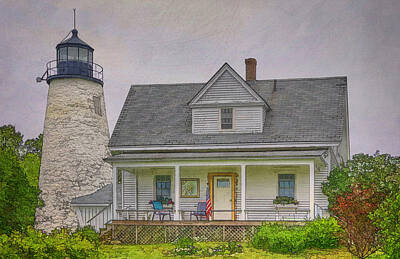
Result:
[{"x": 220, "y": 118}]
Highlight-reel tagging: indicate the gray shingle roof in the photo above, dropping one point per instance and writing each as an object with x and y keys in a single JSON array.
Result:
[
  {"x": 302, "y": 110},
  {"x": 101, "y": 196}
]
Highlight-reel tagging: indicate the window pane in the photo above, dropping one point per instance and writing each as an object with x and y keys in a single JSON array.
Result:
[
  {"x": 83, "y": 54},
  {"x": 286, "y": 185},
  {"x": 62, "y": 54},
  {"x": 72, "y": 53},
  {"x": 223, "y": 183},
  {"x": 226, "y": 118}
]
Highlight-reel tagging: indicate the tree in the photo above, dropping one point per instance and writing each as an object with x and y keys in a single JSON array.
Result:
[
  {"x": 34, "y": 146},
  {"x": 18, "y": 199},
  {"x": 11, "y": 139},
  {"x": 378, "y": 174},
  {"x": 19, "y": 173},
  {"x": 387, "y": 219},
  {"x": 382, "y": 171}
]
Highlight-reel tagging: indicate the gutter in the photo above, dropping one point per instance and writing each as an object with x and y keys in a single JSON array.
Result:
[{"x": 218, "y": 147}]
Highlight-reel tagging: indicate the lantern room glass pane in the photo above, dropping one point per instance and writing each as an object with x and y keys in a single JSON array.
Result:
[
  {"x": 72, "y": 53},
  {"x": 83, "y": 55},
  {"x": 90, "y": 56},
  {"x": 62, "y": 54}
]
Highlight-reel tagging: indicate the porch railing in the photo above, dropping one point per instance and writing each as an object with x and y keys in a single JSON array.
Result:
[{"x": 298, "y": 214}]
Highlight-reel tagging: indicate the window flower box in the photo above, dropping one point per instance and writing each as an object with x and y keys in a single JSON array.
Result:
[{"x": 285, "y": 202}]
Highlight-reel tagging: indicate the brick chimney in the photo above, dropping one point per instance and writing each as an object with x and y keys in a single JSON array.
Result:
[{"x": 251, "y": 64}]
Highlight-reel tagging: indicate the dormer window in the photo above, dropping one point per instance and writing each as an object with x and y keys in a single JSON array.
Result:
[{"x": 226, "y": 118}]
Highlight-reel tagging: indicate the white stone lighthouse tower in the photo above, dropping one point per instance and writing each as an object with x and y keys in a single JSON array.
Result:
[{"x": 76, "y": 134}]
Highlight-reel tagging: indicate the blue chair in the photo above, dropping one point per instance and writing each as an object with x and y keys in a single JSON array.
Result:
[
  {"x": 200, "y": 212},
  {"x": 160, "y": 211}
]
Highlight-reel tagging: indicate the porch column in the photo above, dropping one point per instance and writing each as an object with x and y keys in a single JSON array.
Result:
[
  {"x": 115, "y": 179},
  {"x": 243, "y": 192},
  {"x": 177, "y": 215},
  {"x": 312, "y": 191}
]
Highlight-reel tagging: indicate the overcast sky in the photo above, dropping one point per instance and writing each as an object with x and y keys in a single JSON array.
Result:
[{"x": 147, "y": 42}]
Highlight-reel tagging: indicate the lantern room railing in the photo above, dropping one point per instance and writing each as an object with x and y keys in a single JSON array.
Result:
[{"x": 70, "y": 68}]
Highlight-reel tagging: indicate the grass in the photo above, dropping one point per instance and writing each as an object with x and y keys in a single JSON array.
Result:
[{"x": 161, "y": 251}]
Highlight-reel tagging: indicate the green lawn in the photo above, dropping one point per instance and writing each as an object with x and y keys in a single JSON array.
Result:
[{"x": 161, "y": 251}]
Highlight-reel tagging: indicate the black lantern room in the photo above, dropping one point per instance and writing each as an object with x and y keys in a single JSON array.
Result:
[{"x": 74, "y": 59}]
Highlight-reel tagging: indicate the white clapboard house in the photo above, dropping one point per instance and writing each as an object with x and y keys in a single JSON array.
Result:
[{"x": 250, "y": 142}]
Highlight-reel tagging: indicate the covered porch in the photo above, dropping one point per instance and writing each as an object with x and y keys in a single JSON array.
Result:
[{"x": 238, "y": 190}]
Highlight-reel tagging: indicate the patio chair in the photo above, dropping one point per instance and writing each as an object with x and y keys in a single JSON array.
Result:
[
  {"x": 160, "y": 211},
  {"x": 200, "y": 212}
]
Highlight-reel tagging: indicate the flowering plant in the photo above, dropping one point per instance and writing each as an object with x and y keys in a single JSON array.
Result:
[
  {"x": 284, "y": 200},
  {"x": 163, "y": 201}
]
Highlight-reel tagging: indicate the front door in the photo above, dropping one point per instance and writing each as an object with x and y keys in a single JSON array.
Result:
[{"x": 222, "y": 197}]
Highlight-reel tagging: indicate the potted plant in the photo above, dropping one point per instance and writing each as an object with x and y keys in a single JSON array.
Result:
[{"x": 285, "y": 201}]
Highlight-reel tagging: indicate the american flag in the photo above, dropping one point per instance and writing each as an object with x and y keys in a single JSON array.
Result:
[{"x": 209, "y": 205}]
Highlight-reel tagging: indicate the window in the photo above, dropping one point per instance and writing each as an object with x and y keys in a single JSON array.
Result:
[
  {"x": 286, "y": 185},
  {"x": 83, "y": 55},
  {"x": 223, "y": 183},
  {"x": 62, "y": 54},
  {"x": 163, "y": 187},
  {"x": 226, "y": 118},
  {"x": 97, "y": 106},
  {"x": 72, "y": 53}
]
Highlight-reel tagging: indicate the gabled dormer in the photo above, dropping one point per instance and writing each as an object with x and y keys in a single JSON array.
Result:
[{"x": 227, "y": 104}]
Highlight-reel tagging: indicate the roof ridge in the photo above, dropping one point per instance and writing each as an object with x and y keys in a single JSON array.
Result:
[
  {"x": 172, "y": 84},
  {"x": 304, "y": 78},
  {"x": 258, "y": 80}
]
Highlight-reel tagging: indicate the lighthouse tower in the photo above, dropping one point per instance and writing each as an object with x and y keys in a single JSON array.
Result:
[{"x": 76, "y": 135}]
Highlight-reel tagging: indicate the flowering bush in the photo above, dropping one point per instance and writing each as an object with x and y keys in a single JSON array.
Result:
[
  {"x": 352, "y": 211},
  {"x": 368, "y": 176}
]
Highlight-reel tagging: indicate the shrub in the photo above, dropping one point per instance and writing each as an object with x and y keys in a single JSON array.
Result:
[
  {"x": 59, "y": 243},
  {"x": 323, "y": 233},
  {"x": 387, "y": 220},
  {"x": 89, "y": 234},
  {"x": 281, "y": 239}
]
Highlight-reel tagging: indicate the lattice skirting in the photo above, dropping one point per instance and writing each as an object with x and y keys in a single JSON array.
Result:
[{"x": 153, "y": 234}]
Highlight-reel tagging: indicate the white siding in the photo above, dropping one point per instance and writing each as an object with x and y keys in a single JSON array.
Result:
[
  {"x": 86, "y": 213},
  {"x": 248, "y": 119},
  {"x": 320, "y": 198},
  {"x": 129, "y": 190},
  {"x": 226, "y": 89},
  {"x": 262, "y": 188},
  {"x": 205, "y": 120},
  {"x": 245, "y": 120}
]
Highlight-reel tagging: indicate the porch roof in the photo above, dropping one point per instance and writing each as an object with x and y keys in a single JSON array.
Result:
[
  {"x": 100, "y": 197},
  {"x": 216, "y": 155}
]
